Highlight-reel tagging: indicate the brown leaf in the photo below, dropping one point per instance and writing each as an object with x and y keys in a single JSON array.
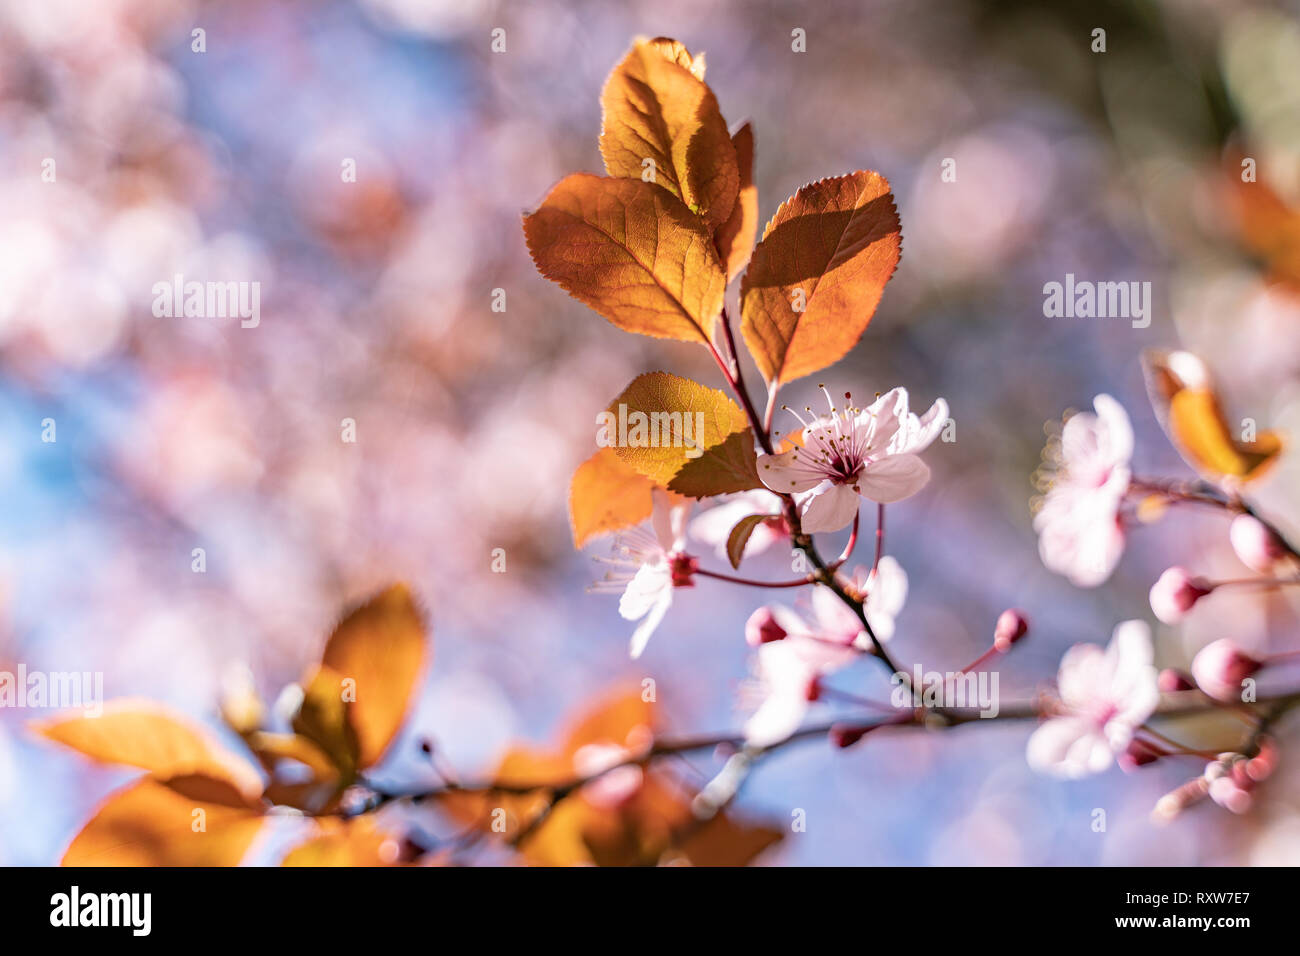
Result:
[
  {"x": 726, "y": 841},
  {"x": 658, "y": 110},
  {"x": 831, "y": 248},
  {"x": 382, "y": 647},
  {"x": 1183, "y": 397},
  {"x": 144, "y": 734},
  {"x": 735, "y": 237},
  {"x": 630, "y": 251},
  {"x": 696, "y": 440},
  {"x": 739, "y": 537},
  {"x": 607, "y": 494},
  {"x": 152, "y": 823}
]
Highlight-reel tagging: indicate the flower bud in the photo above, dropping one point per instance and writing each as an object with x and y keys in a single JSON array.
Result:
[
  {"x": 762, "y": 628},
  {"x": 1170, "y": 681},
  {"x": 1176, "y": 801},
  {"x": 1261, "y": 766},
  {"x": 1258, "y": 547},
  {"x": 1227, "y": 793},
  {"x": 1139, "y": 753},
  {"x": 1173, "y": 595},
  {"x": 846, "y": 735},
  {"x": 1012, "y": 626},
  {"x": 1220, "y": 667}
]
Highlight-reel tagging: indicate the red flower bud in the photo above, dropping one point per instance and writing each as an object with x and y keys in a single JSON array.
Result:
[
  {"x": 1173, "y": 595},
  {"x": 1012, "y": 626},
  {"x": 1170, "y": 681},
  {"x": 1258, "y": 547},
  {"x": 1219, "y": 669},
  {"x": 846, "y": 735}
]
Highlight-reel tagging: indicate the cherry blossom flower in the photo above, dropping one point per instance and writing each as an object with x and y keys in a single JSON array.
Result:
[
  {"x": 713, "y": 527},
  {"x": 788, "y": 672},
  {"x": 1080, "y": 532},
  {"x": 1105, "y": 696},
  {"x": 794, "y": 652},
  {"x": 648, "y": 564},
  {"x": 850, "y": 453}
]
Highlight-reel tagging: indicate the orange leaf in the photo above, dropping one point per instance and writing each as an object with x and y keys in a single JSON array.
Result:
[
  {"x": 624, "y": 718},
  {"x": 693, "y": 439},
  {"x": 818, "y": 274},
  {"x": 344, "y": 843},
  {"x": 188, "y": 821},
  {"x": 659, "y": 111},
  {"x": 324, "y": 719},
  {"x": 274, "y": 748},
  {"x": 144, "y": 734},
  {"x": 735, "y": 237},
  {"x": 1183, "y": 397},
  {"x": 605, "y": 495},
  {"x": 676, "y": 52},
  {"x": 1269, "y": 227},
  {"x": 630, "y": 251},
  {"x": 381, "y": 647}
]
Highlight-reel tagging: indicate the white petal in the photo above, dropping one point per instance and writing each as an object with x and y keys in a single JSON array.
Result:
[
  {"x": 835, "y": 621},
  {"x": 776, "y": 719},
  {"x": 881, "y": 420},
  {"x": 1116, "y": 429},
  {"x": 1084, "y": 676},
  {"x": 645, "y": 590},
  {"x": 790, "y": 471},
  {"x": 1134, "y": 683},
  {"x": 922, "y": 432},
  {"x": 1068, "y": 747},
  {"x": 893, "y": 479},
  {"x": 641, "y": 636},
  {"x": 830, "y": 509},
  {"x": 886, "y": 595}
]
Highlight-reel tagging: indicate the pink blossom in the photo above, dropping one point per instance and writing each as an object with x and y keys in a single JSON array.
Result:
[
  {"x": 787, "y": 675},
  {"x": 850, "y": 453},
  {"x": 1078, "y": 524},
  {"x": 788, "y": 669},
  {"x": 1105, "y": 696}
]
